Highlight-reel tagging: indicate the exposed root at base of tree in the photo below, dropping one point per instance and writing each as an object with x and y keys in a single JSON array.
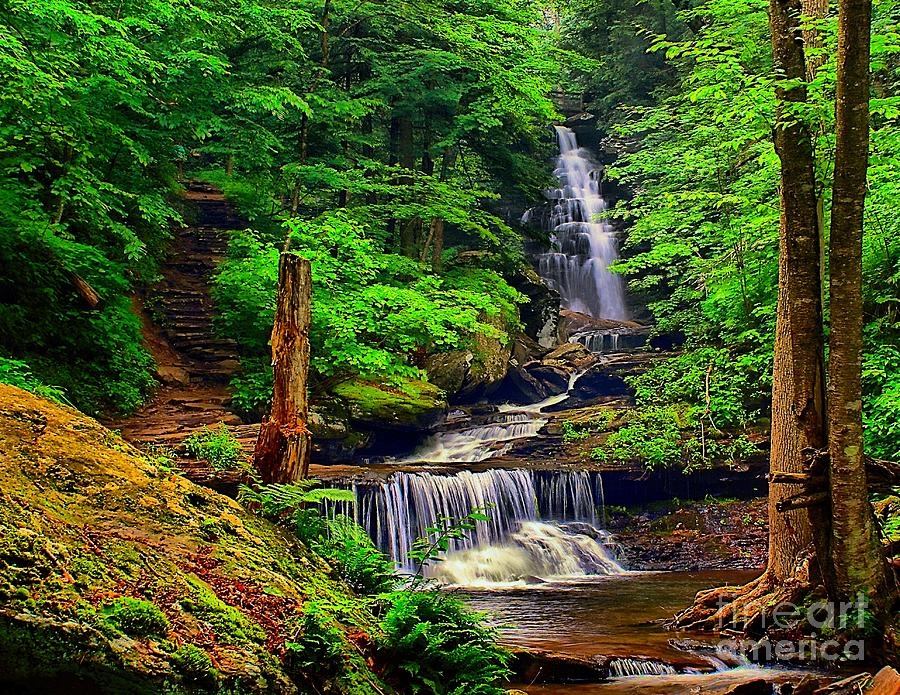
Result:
[{"x": 746, "y": 609}]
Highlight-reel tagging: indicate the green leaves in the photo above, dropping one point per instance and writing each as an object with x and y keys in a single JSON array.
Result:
[{"x": 373, "y": 313}]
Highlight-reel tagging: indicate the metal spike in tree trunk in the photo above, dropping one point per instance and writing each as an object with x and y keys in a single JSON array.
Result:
[{"x": 284, "y": 443}]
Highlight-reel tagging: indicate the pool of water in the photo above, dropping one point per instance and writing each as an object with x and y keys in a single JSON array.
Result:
[
  {"x": 707, "y": 683},
  {"x": 617, "y": 615}
]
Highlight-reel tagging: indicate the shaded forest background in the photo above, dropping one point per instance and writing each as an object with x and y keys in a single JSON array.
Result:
[{"x": 382, "y": 139}]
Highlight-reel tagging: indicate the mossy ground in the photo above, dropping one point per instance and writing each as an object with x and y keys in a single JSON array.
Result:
[{"x": 86, "y": 520}]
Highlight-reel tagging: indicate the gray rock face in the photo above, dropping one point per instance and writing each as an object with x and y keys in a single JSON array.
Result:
[
  {"x": 544, "y": 375},
  {"x": 448, "y": 370},
  {"x": 540, "y": 315}
]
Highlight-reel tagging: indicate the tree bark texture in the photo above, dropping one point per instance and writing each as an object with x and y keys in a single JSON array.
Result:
[
  {"x": 856, "y": 553},
  {"x": 798, "y": 388},
  {"x": 407, "y": 155},
  {"x": 283, "y": 448}
]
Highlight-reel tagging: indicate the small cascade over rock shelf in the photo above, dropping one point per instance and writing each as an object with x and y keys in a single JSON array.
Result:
[
  {"x": 639, "y": 667},
  {"x": 477, "y": 443},
  {"x": 520, "y": 503},
  {"x": 584, "y": 246},
  {"x": 494, "y": 438}
]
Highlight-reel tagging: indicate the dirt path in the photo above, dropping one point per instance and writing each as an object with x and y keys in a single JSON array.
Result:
[{"x": 194, "y": 364}]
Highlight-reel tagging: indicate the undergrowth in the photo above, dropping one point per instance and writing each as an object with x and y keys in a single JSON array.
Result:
[{"x": 429, "y": 641}]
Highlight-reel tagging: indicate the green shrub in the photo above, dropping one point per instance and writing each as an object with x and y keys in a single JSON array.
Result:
[
  {"x": 360, "y": 564},
  {"x": 217, "y": 446},
  {"x": 18, "y": 373},
  {"x": 671, "y": 436},
  {"x": 573, "y": 433},
  {"x": 136, "y": 617},
  {"x": 437, "y": 645},
  {"x": 737, "y": 384},
  {"x": 194, "y": 664},
  {"x": 881, "y": 403},
  {"x": 251, "y": 388}
]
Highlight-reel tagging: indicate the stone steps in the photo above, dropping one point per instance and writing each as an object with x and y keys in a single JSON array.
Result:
[{"x": 184, "y": 310}]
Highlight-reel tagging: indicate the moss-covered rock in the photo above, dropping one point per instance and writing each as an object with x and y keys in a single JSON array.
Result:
[
  {"x": 491, "y": 361},
  {"x": 108, "y": 569},
  {"x": 412, "y": 406}
]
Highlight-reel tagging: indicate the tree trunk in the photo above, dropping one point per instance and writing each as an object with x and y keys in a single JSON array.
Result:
[
  {"x": 798, "y": 389},
  {"x": 856, "y": 553},
  {"x": 283, "y": 448},
  {"x": 436, "y": 232},
  {"x": 815, "y": 11},
  {"x": 437, "y": 235},
  {"x": 812, "y": 40},
  {"x": 407, "y": 157},
  {"x": 326, "y": 21}
]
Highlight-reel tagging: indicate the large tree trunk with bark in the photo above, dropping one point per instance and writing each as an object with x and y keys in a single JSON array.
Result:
[
  {"x": 798, "y": 380},
  {"x": 798, "y": 408},
  {"x": 858, "y": 562},
  {"x": 284, "y": 444}
]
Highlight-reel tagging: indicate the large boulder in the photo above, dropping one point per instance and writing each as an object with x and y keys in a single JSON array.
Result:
[
  {"x": 546, "y": 375},
  {"x": 572, "y": 356},
  {"x": 490, "y": 362},
  {"x": 448, "y": 370},
  {"x": 334, "y": 439},
  {"x": 413, "y": 406},
  {"x": 540, "y": 314}
]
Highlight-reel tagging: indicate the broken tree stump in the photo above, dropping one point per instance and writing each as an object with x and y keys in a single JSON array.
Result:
[{"x": 284, "y": 443}]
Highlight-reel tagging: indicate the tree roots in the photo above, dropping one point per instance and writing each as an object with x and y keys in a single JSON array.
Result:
[{"x": 745, "y": 609}]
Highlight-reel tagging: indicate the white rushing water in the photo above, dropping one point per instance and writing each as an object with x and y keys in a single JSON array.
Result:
[
  {"x": 584, "y": 245},
  {"x": 639, "y": 667},
  {"x": 536, "y": 552},
  {"x": 511, "y": 423},
  {"x": 477, "y": 443},
  {"x": 519, "y": 543}
]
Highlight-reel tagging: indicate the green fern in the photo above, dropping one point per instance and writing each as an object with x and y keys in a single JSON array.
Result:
[{"x": 275, "y": 499}]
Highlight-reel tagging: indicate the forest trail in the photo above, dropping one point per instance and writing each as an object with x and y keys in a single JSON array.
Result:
[{"x": 194, "y": 364}]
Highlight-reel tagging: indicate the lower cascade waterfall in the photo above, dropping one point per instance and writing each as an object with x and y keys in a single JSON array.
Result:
[
  {"x": 535, "y": 552},
  {"x": 639, "y": 667},
  {"x": 517, "y": 543}
]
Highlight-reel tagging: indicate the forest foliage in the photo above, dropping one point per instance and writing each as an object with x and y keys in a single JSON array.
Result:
[
  {"x": 702, "y": 241},
  {"x": 367, "y": 132}
]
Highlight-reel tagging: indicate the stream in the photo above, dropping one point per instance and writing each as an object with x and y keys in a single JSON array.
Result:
[{"x": 543, "y": 565}]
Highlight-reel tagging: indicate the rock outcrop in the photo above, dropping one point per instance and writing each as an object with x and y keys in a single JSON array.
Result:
[
  {"x": 413, "y": 406},
  {"x": 540, "y": 315},
  {"x": 545, "y": 374}
]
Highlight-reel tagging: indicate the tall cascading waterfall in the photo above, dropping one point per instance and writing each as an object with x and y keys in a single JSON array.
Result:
[
  {"x": 542, "y": 524},
  {"x": 584, "y": 246}
]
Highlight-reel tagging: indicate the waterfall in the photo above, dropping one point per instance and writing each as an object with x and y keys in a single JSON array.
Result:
[
  {"x": 477, "y": 443},
  {"x": 509, "y": 424},
  {"x": 534, "y": 553},
  {"x": 639, "y": 667},
  {"x": 598, "y": 341},
  {"x": 584, "y": 246},
  {"x": 516, "y": 543}
]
